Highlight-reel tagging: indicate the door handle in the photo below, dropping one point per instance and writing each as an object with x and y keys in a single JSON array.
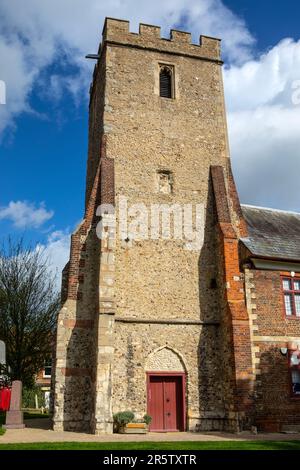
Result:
[{"x": 168, "y": 414}]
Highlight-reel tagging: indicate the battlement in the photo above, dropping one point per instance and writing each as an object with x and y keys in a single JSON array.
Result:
[{"x": 149, "y": 37}]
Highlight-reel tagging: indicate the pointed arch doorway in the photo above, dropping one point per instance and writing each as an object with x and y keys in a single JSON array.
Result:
[
  {"x": 166, "y": 401},
  {"x": 166, "y": 390}
]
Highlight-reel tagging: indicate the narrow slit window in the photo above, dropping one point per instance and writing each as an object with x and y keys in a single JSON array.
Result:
[
  {"x": 165, "y": 181},
  {"x": 166, "y": 82}
]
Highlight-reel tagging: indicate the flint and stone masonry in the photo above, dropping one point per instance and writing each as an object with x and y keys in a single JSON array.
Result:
[{"x": 132, "y": 310}]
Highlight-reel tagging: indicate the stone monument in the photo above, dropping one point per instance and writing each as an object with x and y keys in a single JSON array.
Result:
[{"x": 14, "y": 417}]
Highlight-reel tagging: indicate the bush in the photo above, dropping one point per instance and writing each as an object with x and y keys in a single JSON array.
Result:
[
  {"x": 122, "y": 418},
  {"x": 28, "y": 397},
  {"x": 147, "y": 419}
]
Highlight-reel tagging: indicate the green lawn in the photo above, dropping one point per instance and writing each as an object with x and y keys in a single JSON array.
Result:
[
  {"x": 189, "y": 445},
  {"x": 2, "y": 418},
  {"x": 224, "y": 445},
  {"x": 27, "y": 415},
  {"x": 33, "y": 415},
  {"x": 2, "y": 421}
]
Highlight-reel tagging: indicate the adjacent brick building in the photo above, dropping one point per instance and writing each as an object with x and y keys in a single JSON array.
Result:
[
  {"x": 195, "y": 337},
  {"x": 270, "y": 257},
  {"x": 43, "y": 380}
]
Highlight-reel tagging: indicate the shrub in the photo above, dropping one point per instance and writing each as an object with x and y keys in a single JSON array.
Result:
[
  {"x": 122, "y": 418},
  {"x": 147, "y": 419},
  {"x": 28, "y": 398}
]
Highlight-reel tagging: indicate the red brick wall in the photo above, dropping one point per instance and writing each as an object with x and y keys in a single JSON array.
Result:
[
  {"x": 271, "y": 317},
  {"x": 235, "y": 329},
  {"x": 41, "y": 380},
  {"x": 274, "y": 405}
]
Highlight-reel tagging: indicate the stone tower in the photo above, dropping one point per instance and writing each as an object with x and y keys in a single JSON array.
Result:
[{"x": 155, "y": 323}]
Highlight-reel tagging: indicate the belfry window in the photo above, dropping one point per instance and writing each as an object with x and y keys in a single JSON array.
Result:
[{"x": 166, "y": 82}]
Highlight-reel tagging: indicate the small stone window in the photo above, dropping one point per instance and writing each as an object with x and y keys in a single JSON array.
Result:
[
  {"x": 166, "y": 81},
  {"x": 165, "y": 181}
]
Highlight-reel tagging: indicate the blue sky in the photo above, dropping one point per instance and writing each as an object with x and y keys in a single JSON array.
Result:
[
  {"x": 43, "y": 125},
  {"x": 269, "y": 21}
]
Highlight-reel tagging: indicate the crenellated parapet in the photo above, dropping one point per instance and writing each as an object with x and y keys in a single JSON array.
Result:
[{"x": 149, "y": 37}]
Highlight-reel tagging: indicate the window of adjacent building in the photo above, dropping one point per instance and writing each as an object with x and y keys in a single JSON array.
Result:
[
  {"x": 164, "y": 181},
  {"x": 166, "y": 82},
  {"x": 294, "y": 360},
  {"x": 48, "y": 368},
  {"x": 291, "y": 295}
]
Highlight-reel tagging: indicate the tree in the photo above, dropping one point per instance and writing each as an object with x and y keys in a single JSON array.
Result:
[{"x": 28, "y": 309}]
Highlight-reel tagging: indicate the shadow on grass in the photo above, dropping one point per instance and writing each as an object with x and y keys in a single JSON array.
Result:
[
  {"x": 28, "y": 415},
  {"x": 2, "y": 418},
  {"x": 2, "y": 421}
]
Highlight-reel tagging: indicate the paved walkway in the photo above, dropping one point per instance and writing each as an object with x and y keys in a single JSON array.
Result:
[{"x": 38, "y": 430}]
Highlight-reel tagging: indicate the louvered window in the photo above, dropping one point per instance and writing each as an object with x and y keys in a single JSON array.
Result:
[{"x": 165, "y": 82}]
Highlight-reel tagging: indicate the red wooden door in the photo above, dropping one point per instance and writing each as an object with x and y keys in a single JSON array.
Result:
[
  {"x": 170, "y": 403},
  {"x": 165, "y": 403},
  {"x": 156, "y": 403}
]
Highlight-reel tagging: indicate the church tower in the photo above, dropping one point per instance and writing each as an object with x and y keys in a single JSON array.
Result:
[{"x": 153, "y": 318}]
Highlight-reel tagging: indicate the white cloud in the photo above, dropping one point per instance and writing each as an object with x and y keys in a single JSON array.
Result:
[
  {"x": 18, "y": 78},
  {"x": 266, "y": 80},
  {"x": 57, "y": 251},
  {"x": 24, "y": 214},
  {"x": 35, "y": 34},
  {"x": 264, "y": 122}
]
